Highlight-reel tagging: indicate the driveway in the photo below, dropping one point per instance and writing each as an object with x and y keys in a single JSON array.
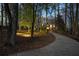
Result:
[{"x": 62, "y": 46}]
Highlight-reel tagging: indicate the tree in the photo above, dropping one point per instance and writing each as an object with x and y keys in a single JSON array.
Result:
[
  {"x": 60, "y": 24},
  {"x": 38, "y": 15},
  {"x": 11, "y": 11},
  {"x": 76, "y": 21},
  {"x": 65, "y": 16},
  {"x": 1, "y": 22},
  {"x": 27, "y": 12},
  {"x": 77, "y": 18},
  {"x": 8, "y": 13},
  {"x": 58, "y": 9},
  {"x": 71, "y": 19},
  {"x": 33, "y": 21},
  {"x": 46, "y": 8},
  {"x": 14, "y": 14},
  {"x": 2, "y": 15},
  {"x": 40, "y": 8}
]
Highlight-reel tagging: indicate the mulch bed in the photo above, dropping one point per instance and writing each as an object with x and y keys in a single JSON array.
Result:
[{"x": 25, "y": 44}]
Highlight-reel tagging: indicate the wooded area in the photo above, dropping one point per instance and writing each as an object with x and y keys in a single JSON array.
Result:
[{"x": 63, "y": 17}]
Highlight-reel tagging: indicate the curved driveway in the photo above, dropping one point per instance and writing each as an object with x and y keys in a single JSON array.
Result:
[{"x": 60, "y": 47}]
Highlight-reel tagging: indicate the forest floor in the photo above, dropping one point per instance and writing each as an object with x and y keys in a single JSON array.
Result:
[{"x": 25, "y": 44}]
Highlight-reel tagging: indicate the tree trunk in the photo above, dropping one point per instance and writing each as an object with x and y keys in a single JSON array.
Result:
[
  {"x": 58, "y": 9},
  {"x": 65, "y": 17},
  {"x": 12, "y": 13},
  {"x": 33, "y": 22},
  {"x": 8, "y": 13},
  {"x": 71, "y": 19},
  {"x": 2, "y": 15},
  {"x": 76, "y": 21},
  {"x": 55, "y": 17},
  {"x": 1, "y": 22},
  {"x": 6, "y": 20},
  {"x": 46, "y": 13}
]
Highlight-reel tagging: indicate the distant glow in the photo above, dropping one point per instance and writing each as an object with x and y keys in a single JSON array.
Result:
[
  {"x": 42, "y": 24},
  {"x": 53, "y": 25},
  {"x": 47, "y": 28},
  {"x": 50, "y": 26},
  {"x": 23, "y": 34},
  {"x": 19, "y": 33},
  {"x": 27, "y": 35}
]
